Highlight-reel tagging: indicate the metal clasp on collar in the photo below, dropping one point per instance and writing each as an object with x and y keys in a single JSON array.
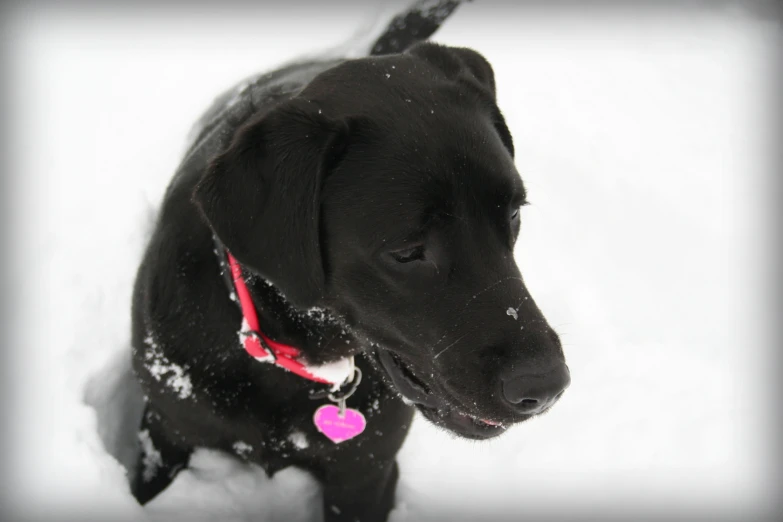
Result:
[
  {"x": 343, "y": 393},
  {"x": 340, "y": 397}
]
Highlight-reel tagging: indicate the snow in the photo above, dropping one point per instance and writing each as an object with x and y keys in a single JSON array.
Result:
[
  {"x": 173, "y": 375},
  {"x": 242, "y": 448},
  {"x": 645, "y": 139},
  {"x": 299, "y": 440},
  {"x": 317, "y": 314},
  {"x": 151, "y": 459}
]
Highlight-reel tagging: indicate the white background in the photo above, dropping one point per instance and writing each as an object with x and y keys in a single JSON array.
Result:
[{"x": 645, "y": 139}]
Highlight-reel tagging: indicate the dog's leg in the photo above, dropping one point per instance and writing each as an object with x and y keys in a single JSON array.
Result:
[
  {"x": 159, "y": 461},
  {"x": 364, "y": 494}
]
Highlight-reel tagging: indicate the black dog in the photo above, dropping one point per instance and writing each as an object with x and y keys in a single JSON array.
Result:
[{"x": 370, "y": 208}]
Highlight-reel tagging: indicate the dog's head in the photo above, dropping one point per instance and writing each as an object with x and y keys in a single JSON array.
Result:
[{"x": 386, "y": 193}]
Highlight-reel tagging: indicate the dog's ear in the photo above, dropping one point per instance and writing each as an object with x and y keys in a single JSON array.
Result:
[
  {"x": 261, "y": 197},
  {"x": 470, "y": 68}
]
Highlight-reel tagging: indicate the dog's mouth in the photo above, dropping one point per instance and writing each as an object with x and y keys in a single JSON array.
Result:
[
  {"x": 435, "y": 408},
  {"x": 463, "y": 424}
]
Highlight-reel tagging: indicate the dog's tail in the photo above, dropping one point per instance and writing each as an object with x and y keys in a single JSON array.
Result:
[
  {"x": 417, "y": 23},
  {"x": 393, "y": 28}
]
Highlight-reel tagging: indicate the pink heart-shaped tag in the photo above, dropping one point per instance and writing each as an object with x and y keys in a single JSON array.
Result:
[{"x": 339, "y": 428}]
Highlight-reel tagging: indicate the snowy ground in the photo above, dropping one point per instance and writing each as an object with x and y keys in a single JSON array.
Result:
[{"x": 645, "y": 140}]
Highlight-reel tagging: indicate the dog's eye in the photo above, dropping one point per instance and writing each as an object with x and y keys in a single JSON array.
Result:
[
  {"x": 513, "y": 220},
  {"x": 407, "y": 255}
]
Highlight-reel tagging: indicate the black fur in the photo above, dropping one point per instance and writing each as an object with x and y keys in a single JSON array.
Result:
[{"x": 371, "y": 203}]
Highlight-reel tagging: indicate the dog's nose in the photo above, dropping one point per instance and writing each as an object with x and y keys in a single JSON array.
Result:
[{"x": 533, "y": 393}]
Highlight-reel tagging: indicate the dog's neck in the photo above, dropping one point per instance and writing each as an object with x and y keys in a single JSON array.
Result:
[{"x": 317, "y": 333}]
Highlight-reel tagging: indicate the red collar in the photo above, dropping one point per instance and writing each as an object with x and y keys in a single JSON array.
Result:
[{"x": 265, "y": 349}]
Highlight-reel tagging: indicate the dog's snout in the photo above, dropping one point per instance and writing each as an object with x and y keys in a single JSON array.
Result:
[{"x": 530, "y": 393}]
